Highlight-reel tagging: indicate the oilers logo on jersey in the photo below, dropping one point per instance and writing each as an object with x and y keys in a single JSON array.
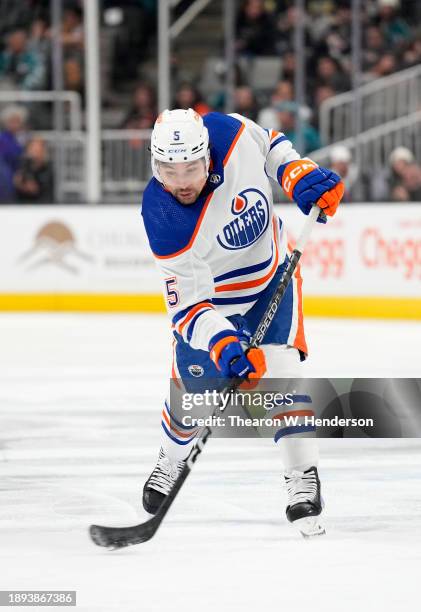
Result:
[{"x": 251, "y": 219}]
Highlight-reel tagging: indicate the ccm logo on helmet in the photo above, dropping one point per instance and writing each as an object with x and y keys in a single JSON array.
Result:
[{"x": 177, "y": 150}]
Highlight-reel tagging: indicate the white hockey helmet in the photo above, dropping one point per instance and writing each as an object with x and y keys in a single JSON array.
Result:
[{"x": 179, "y": 136}]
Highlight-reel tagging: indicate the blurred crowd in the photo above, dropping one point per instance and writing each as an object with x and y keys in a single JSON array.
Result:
[
  {"x": 26, "y": 172},
  {"x": 391, "y": 42},
  {"x": 399, "y": 181}
]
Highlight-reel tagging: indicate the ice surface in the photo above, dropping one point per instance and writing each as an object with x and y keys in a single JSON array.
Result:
[{"x": 80, "y": 401}]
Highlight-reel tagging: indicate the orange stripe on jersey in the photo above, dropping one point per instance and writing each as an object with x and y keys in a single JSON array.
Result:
[
  {"x": 192, "y": 312},
  {"x": 176, "y": 431},
  {"x": 294, "y": 171},
  {"x": 234, "y": 142},
  {"x": 258, "y": 281},
  {"x": 274, "y": 134}
]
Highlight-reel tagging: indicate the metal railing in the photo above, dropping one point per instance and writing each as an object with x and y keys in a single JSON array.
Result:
[
  {"x": 67, "y": 152},
  {"x": 376, "y": 144},
  {"x": 126, "y": 167},
  {"x": 380, "y": 101},
  {"x": 71, "y": 98},
  {"x": 126, "y": 156}
]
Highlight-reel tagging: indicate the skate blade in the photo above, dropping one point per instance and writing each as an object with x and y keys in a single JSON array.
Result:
[{"x": 309, "y": 527}]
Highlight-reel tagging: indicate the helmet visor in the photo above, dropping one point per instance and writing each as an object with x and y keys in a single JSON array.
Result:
[{"x": 183, "y": 172}]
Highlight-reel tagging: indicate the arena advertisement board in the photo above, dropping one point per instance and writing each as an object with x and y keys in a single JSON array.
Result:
[
  {"x": 366, "y": 261},
  {"x": 364, "y": 250}
]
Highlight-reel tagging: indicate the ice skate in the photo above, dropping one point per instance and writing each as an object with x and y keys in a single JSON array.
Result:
[
  {"x": 160, "y": 482},
  {"x": 305, "y": 503}
]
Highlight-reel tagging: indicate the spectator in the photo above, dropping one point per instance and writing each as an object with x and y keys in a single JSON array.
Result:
[
  {"x": 412, "y": 54},
  {"x": 72, "y": 39},
  {"x": 288, "y": 66},
  {"x": 188, "y": 96},
  {"x": 394, "y": 28},
  {"x": 283, "y": 92},
  {"x": 34, "y": 178},
  {"x": 389, "y": 184},
  {"x": 14, "y": 14},
  {"x": 374, "y": 47},
  {"x": 255, "y": 30},
  {"x": 245, "y": 102},
  {"x": 13, "y": 120},
  {"x": 386, "y": 65},
  {"x": 39, "y": 39},
  {"x": 20, "y": 66},
  {"x": 286, "y": 29},
  {"x": 268, "y": 116},
  {"x": 72, "y": 31},
  {"x": 287, "y": 116},
  {"x": 143, "y": 112},
  {"x": 411, "y": 182},
  {"x": 322, "y": 93},
  {"x": 329, "y": 73},
  {"x": 338, "y": 36},
  {"x": 405, "y": 176},
  {"x": 341, "y": 163}
]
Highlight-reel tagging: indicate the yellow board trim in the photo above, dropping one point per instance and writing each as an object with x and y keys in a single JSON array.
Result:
[
  {"x": 81, "y": 302},
  {"x": 363, "y": 307},
  {"x": 316, "y": 306}
]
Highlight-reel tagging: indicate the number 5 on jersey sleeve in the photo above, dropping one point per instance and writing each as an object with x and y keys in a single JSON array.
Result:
[{"x": 172, "y": 296}]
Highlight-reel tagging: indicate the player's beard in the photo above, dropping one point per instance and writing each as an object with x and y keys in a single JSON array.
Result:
[{"x": 186, "y": 196}]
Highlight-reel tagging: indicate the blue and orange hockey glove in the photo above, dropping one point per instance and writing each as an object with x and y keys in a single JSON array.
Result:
[
  {"x": 234, "y": 359},
  {"x": 307, "y": 183}
]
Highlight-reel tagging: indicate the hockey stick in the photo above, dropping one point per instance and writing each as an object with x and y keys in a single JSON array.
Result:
[{"x": 118, "y": 537}]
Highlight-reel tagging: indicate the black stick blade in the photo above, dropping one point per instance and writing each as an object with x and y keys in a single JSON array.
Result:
[{"x": 119, "y": 537}]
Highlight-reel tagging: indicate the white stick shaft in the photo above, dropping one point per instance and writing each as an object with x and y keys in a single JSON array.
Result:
[{"x": 308, "y": 226}]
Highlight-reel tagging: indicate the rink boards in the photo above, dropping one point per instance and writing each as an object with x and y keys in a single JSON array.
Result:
[{"x": 366, "y": 262}]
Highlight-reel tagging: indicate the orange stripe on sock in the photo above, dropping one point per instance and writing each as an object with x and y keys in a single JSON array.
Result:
[
  {"x": 173, "y": 372},
  {"x": 176, "y": 431},
  {"x": 297, "y": 413}
]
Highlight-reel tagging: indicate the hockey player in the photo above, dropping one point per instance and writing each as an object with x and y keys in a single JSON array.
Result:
[{"x": 208, "y": 213}]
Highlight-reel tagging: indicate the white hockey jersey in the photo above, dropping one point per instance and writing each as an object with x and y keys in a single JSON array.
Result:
[{"x": 218, "y": 255}]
